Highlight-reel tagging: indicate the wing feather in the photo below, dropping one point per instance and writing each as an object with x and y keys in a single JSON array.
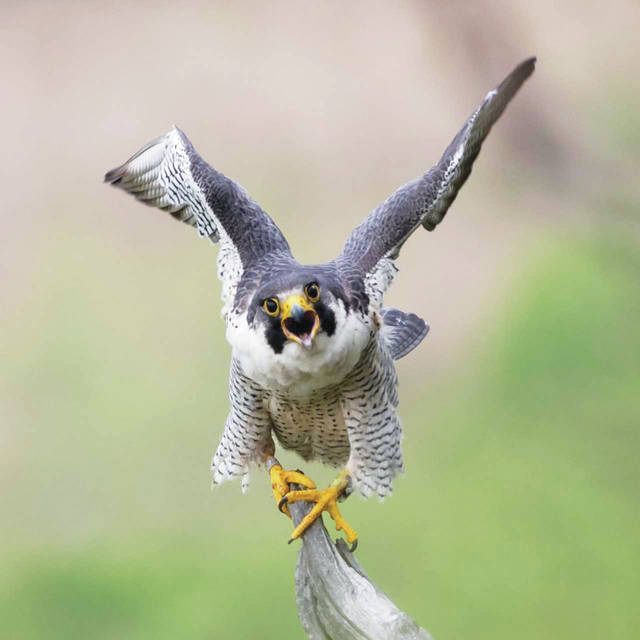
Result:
[
  {"x": 425, "y": 200},
  {"x": 169, "y": 174},
  {"x": 159, "y": 175}
]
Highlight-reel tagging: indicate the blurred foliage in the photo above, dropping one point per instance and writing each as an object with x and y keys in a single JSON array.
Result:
[{"x": 517, "y": 516}]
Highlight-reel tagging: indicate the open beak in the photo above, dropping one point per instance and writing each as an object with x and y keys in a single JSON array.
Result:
[{"x": 300, "y": 322}]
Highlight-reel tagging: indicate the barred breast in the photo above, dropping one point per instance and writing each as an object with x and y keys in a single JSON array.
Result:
[{"x": 312, "y": 425}]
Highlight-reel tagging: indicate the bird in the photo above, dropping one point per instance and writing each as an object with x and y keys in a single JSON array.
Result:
[{"x": 312, "y": 346}]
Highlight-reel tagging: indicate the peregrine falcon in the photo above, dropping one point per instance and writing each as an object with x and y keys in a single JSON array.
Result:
[{"x": 312, "y": 345}]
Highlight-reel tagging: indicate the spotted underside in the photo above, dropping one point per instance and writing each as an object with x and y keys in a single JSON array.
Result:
[
  {"x": 352, "y": 423},
  {"x": 336, "y": 400}
]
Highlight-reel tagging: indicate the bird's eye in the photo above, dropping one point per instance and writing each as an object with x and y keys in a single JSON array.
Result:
[
  {"x": 271, "y": 306},
  {"x": 313, "y": 291}
]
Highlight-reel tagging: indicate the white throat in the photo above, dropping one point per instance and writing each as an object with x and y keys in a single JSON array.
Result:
[{"x": 298, "y": 370}]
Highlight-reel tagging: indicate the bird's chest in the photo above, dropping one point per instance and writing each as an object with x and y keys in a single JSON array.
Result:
[
  {"x": 312, "y": 425},
  {"x": 296, "y": 370}
]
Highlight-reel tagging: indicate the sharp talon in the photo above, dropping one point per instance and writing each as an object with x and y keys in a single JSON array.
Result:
[
  {"x": 354, "y": 546},
  {"x": 325, "y": 500},
  {"x": 281, "y": 481}
]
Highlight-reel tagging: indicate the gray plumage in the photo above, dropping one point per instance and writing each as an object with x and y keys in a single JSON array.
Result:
[
  {"x": 318, "y": 372},
  {"x": 401, "y": 332}
]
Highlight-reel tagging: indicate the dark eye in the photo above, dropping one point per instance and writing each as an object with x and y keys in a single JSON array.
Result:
[
  {"x": 271, "y": 306},
  {"x": 313, "y": 291}
]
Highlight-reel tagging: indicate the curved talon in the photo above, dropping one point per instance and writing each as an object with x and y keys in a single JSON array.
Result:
[
  {"x": 280, "y": 481},
  {"x": 325, "y": 500}
]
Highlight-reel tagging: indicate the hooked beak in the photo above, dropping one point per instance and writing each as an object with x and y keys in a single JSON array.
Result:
[{"x": 300, "y": 322}]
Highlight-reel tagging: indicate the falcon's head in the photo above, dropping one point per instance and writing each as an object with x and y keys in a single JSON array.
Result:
[
  {"x": 296, "y": 312},
  {"x": 299, "y": 330}
]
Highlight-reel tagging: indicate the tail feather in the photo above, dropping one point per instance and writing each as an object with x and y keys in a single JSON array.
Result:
[{"x": 401, "y": 332}]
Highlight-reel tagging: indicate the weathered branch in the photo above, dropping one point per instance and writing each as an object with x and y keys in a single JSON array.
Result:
[{"x": 336, "y": 600}]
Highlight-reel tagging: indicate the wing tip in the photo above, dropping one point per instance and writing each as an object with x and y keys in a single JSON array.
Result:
[
  {"x": 526, "y": 67},
  {"x": 518, "y": 76},
  {"x": 114, "y": 176},
  {"x": 529, "y": 62}
]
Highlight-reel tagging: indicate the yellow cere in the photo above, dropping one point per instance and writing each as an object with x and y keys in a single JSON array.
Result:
[{"x": 293, "y": 300}]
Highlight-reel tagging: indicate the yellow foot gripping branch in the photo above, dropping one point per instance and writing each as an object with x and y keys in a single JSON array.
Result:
[
  {"x": 280, "y": 480},
  {"x": 326, "y": 500}
]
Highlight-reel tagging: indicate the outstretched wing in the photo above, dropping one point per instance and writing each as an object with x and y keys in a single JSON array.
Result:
[
  {"x": 425, "y": 200},
  {"x": 169, "y": 174}
]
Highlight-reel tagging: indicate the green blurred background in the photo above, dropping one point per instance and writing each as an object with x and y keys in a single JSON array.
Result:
[{"x": 518, "y": 513}]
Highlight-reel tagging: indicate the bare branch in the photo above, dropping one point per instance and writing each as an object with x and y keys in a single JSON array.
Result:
[{"x": 336, "y": 600}]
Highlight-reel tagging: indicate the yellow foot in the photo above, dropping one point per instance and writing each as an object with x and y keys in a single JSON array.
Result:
[
  {"x": 280, "y": 480},
  {"x": 326, "y": 500}
]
